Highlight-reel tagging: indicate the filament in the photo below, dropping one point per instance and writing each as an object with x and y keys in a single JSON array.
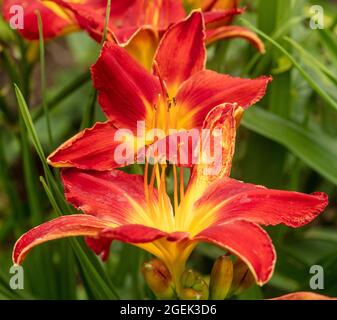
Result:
[
  {"x": 175, "y": 191},
  {"x": 182, "y": 185}
]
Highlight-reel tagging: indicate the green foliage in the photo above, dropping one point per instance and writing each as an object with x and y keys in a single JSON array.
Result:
[{"x": 288, "y": 141}]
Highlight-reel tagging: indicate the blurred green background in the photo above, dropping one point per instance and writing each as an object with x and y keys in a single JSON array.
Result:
[{"x": 288, "y": 142}]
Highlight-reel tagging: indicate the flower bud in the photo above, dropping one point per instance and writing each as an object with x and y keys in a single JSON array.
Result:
[
  {"x": 159, "y": 279},
  {"x": 242, "y": 277},
  {"x": 188, "y": 278},
  {"x": 191, "y": 294},
  {"x": 221, "y": 278},
  {"x": 194, "y": 286}
]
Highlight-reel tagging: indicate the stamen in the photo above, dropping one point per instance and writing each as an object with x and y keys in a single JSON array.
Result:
[
  {"x": 161, "y": 80},
  {"x": 182, "y": 184},
  {"x": 175, "y": 188},
  {"x": 156, "y": 169},
  {"x": 146, "y": 186},
  {"x": 153, "y": 174}
]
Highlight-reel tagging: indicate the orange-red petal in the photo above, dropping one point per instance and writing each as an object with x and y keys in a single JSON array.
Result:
[
  {"x": 126, "y": 17},
  {"x": 181, "y": 52},
  {"x": 231, "y": 199},
  {"x": 134, "y": 233},
  {"x": 247, "y": 241},
  {"x": 229, "y": 32},
  {"x": 95, "y": 148},
  {"x": 303, "y": 296},
  {"x": 112, "y": 195},
  {"x": 65, "y": 226},
  {"x": 100, "y": 245},
  {"x": 208, "y": 89},
  {"x": 219, "y": 18},
  {"x": 125, "y": 89}
]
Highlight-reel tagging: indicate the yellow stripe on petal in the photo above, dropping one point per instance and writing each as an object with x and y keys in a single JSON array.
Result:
[
  {"x": 142, "y": 46},
  {"x": 66, "y": 15}
]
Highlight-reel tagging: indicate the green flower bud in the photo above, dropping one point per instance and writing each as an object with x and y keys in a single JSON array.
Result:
[
  {"x": 188, "y": 278},
  {"x": 194, "y": 286},
  {"x": 159, "y": 279},
  {"x": 190, "y": 294},
  {"x": 221, "y": 278}
]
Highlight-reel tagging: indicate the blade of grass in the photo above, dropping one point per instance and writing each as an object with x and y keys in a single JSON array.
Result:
[
  {"x": 312, "y": 61},
  {"x": 283, "y": 29},
  {"x": 317, "y": 150},
  {"x": 43, "y": 78},
  {"x": 321, "y": 92},
  {"x": 106, "y": 22},
  {"x": 328, "y": 39}
]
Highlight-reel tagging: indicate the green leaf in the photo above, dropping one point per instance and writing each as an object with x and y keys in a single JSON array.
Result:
[
  {"x": 319, "y": 90},
  {"x": 43, "y": 77},
  {"x": 322, "y": 234},
  {"x": 316, "y": 149},
  {"x": 312, "y": 61},
  {"x": 328, "y": 39}
]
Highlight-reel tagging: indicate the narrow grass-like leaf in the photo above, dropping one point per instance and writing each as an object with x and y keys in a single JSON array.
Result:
[
  {"x": 312, "y": 61},
  {"x": 328, "y": 38},
  {"x": 106, "y": 22},
  {"x": 317, "y": 150},
  {"x": 283, "y": 29},
  {"x": 321, "y": 92},
  {"x": 43, "y": 77}
]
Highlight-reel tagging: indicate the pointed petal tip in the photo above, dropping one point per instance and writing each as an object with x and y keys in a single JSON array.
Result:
[{"x": 62, "y": 227}]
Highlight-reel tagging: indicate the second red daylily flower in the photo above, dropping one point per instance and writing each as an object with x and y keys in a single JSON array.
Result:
[
  {"x": 138, "y": 25},
  {"x": 56, "y": 20},
  {"x": 178, "y": 95},
  {"x": 214, "y": 209}
]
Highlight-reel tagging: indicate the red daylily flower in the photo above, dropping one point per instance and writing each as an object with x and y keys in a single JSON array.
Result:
[
  {"x": 214, "y": 209},
  {"x": 138, "y": 25},
  {"x": 56, "y": 21},
  {"x": 219, "y": 14},
  {"x": 178, "y": 95}
]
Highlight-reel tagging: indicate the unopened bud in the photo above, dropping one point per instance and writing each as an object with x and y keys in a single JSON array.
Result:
[
  {"x": 242, "y": 277},
  {"x": 188, "y": 278},
  {"x": 159, "y": 279},
  {"x": 191, "y": 294},
  {"x": 221, "y": 278},
  {"x": 194, "y": 286}
]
